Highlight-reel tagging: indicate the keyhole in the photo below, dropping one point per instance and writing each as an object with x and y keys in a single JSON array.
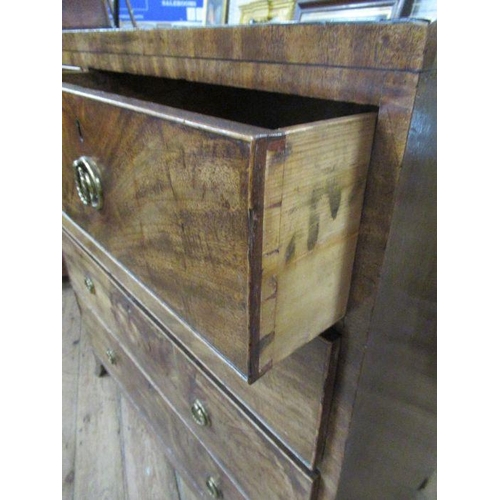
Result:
[{"x": 79, "y": 129}]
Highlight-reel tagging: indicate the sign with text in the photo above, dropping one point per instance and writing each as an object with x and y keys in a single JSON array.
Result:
[{"x": 164, "y": 11}]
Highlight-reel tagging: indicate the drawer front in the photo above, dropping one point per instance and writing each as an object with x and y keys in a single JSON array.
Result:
[
  {"x": 291, "y": 401},
  {"x": 248, "y": 454},
  {"x": 240, "y": 449},
  {"x": 174, "y": 211},
  {"x": 182, "y": 448}
]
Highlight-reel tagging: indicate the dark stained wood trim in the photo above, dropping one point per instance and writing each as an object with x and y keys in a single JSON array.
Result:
[
  {"x": 327, "y": 401},
  {"x": 255, "y": 227}
]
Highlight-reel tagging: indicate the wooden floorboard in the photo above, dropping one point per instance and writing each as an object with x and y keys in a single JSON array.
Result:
[
  {"x": 98, "y": 460},
  {"x": 108, "y": 453},
  {"x": 70, "y": 368},
  {"x": 148, "y": 475},
  {"x": 185, "y": 491}
]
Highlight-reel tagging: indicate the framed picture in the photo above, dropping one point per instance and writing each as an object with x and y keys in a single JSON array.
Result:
[
  {"x": 84, "y": 14},
  {"x": 345, "y": 11},
  {"x": 216, "y": 13}
]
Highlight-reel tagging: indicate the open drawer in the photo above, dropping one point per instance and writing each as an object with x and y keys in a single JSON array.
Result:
[{"x": 238, "y": 210}]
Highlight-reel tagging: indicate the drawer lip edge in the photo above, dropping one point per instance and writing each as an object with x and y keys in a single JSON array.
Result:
[{"x": 220, "y": 126}]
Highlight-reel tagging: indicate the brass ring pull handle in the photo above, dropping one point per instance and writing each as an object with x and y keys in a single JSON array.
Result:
[
  {"x": 213, "y": 488},
  {"x": 89, "y": 284},
  {"x": 88, "y": 182},
  {"x": 111, "y": 356},
  {"x": 200, "y": 415}
]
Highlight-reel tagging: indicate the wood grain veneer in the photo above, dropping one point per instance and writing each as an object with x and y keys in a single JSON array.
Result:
[{"x": 362, "y": 45}]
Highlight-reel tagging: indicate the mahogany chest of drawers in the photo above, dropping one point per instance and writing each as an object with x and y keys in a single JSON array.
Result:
[{"x": 222, "y": 239}]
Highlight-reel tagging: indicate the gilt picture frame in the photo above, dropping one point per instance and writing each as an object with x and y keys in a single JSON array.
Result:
[
  {"x": 216, "y": 12},
  {"x": 345, "y": 11}
]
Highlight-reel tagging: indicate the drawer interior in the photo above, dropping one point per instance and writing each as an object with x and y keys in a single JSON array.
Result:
[{"x": 269, "y": 110}]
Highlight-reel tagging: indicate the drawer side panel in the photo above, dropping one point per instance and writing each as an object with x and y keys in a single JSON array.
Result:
[{"x": 314, "y": 197}]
